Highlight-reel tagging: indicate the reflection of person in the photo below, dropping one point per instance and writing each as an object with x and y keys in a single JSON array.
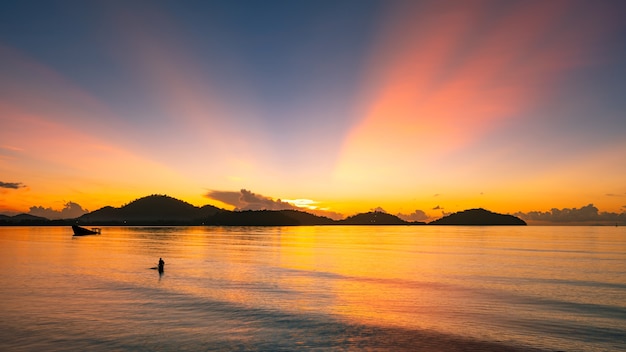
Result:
[{"x": 161, "y": 264}]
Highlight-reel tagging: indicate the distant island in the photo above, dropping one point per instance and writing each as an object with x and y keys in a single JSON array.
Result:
[
  {"x": 162, "y": 210},
  {"x": 478, "y": 217}
]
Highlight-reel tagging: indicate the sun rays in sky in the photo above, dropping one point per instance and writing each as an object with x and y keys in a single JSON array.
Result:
[{"x": 333, "y": 106}]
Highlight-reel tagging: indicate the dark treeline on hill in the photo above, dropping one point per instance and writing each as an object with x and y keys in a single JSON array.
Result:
[
  {"x": 478, "y": 217},
  {"x": 163, "y": 210},
  {"x": 23, "y": 219},
  {"x": 151, "y": 210},
  {"x": 375, "y": 218},
  {"x": 267, "y": 218}
]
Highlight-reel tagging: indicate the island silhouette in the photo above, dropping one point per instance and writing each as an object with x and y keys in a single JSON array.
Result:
[
  {"x": 163, "y": 210},
  {"x": 479, "y": 217}
]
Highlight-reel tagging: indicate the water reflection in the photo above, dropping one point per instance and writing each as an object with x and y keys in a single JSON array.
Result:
[{"x": 558, "y": 288}]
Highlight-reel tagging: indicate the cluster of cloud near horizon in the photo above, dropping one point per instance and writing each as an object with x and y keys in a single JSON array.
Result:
[
  {"x": 587, "y": 214},
  {"x": 71, "y": 210}
]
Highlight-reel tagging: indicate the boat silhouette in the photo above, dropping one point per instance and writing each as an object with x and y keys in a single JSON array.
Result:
[{"x": 81, "y": 231}]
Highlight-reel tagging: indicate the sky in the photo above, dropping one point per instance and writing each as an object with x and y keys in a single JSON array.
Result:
[{"x": 419, "y": 108}]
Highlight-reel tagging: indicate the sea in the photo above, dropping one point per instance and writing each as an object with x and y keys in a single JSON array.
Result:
[{"x": 317, "y": 288}]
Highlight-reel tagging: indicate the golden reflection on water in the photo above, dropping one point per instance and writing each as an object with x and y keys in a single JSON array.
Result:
[
  {"x": 374, "y": 275},
  {"x": 464, "y": 280},
  {"x": 445, "y": 277}
]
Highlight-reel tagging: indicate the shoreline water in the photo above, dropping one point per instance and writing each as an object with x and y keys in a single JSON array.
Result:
[{"x": 303, "y": 288}]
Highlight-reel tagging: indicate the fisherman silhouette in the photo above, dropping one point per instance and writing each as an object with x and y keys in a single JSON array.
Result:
[{"x": 161, "y": 265}]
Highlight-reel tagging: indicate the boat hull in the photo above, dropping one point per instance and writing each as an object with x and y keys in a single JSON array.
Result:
[{"x": 81, "y": 231}]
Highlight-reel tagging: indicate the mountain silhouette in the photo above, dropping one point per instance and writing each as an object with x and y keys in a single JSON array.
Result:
[
  {"x": 267, "y": 218},
  {"x": 478, "y": 216},
  {"x": 151, "y": 210},
  {"x": 373, "y": 218},
  {"x": 167, "y": 211},
  {"x": 22, "y": 219}
]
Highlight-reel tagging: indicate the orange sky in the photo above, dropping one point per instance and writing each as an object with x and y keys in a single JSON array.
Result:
[{"x": 431, "y": 106}]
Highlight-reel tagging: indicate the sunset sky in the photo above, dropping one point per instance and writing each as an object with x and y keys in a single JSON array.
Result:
[{"x": 344, "y": 106}]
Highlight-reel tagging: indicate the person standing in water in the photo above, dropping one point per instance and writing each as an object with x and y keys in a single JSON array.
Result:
[{"x": 161, "y": 264}]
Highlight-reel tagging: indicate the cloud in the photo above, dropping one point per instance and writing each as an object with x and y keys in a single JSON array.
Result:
[
  {"x": 311, "y": 206},
  {"x": 302, "y": 203},
  {"x": 615, "y": 195},
  {"x": 417, "y": 215},
  {"x": 70, "y": 211},
  {"x": 585, "y": 214},
  {"x": 379, "y": 210},
  {"x": 255, "y": 201},
  {"x": 327, "y": 213},
  {"x": 226, "y": 197},
  {"x": 11, "y": 185},
  {"x": 247, "y": 200}
]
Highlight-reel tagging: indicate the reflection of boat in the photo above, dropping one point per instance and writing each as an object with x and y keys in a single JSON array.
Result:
[{"x": 81, "y": 231}]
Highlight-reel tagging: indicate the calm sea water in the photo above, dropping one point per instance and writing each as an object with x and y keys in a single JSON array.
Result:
[{"x": 423, "y": 288}]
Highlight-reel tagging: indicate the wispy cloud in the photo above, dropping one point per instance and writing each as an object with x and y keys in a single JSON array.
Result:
[
  {"x": 11, "y": 148},
  {"x": 11, "y": 185}
]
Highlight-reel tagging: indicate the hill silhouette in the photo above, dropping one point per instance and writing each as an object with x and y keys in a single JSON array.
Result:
[
  {"x": 167, "y": 211},
  {"x": 478, "y": 216},
  {"x": 267, "y": 218},
  {"x": 373, "y": 218},
  {"x": 22, "y": 219},
  {"x": 151, "y": 210}
]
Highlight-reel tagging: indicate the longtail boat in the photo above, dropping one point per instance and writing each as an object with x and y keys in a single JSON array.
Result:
[{"x": 81, "y": 231}]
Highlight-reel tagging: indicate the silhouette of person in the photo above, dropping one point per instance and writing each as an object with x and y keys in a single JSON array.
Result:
[{"x": 161, "y": 264}]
